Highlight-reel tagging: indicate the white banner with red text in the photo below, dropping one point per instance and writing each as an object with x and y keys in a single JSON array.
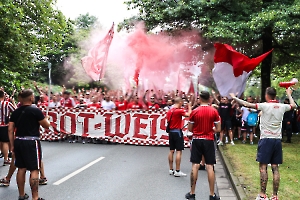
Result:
[{"x": 125, "y": 127}]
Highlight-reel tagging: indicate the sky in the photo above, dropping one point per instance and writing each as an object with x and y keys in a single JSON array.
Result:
[{"x": 107, "y": 11}]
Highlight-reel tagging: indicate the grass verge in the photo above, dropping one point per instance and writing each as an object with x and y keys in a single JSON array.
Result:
[{"x": 242, "y": 157}]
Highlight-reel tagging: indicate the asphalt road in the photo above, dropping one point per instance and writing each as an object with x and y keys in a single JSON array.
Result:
[{"x": 108, "y": 172}]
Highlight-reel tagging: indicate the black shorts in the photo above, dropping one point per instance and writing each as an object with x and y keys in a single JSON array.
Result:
[
  {"x": 176, "y": 140},
  {"x": 226, "y": 124},
  {"x": 246, "y": 128},
  {"x": 28, "y": 154},
  {"x": 206, "y": 148},
  {"x": 236, "y": 122},
  {"x": 4, "y": 134},
  {"x": 269, "y": 151}
]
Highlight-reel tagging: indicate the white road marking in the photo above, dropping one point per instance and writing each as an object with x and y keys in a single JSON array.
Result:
[{"x": 77, "y": 171}]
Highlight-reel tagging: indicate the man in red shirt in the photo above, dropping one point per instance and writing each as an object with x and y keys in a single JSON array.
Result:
[
  {"x": 176, "y": 142},
  {"x": 43, "y": 100},
  {"x": 95, "y": 104},
  {"x": 121, "y": 104},
  {"x": 67, "y": 101},
  {"x": 6, "y": 108},
  {"x": 204, "y": 122},
  {"x": 135, "y": 105},
  {"x": 152, "y": 105}
]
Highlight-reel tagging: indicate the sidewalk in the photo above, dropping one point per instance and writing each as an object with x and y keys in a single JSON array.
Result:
[{"x": 228, "y": 185}]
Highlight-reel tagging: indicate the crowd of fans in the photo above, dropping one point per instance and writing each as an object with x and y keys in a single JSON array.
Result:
[
  {"x": 97, "y": 98},
  {"x": 233, "y": 115}
]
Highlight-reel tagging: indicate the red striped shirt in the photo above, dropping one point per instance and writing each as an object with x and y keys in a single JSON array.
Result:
[
  {"x": 5, "y": 109},
  {"x": 203, "y": 119}
]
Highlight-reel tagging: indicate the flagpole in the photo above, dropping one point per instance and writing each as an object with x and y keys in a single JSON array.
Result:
[{"x": 49, "y": 90}]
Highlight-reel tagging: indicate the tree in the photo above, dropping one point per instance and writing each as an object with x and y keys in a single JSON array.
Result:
[
  {"x": 86, "y": 21},
  {"x": 29, "y": 30},
  {"x": 254, "y": 26}
]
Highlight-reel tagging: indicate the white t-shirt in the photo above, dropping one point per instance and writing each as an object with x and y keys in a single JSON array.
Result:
[
  {"x": 246, "y": 112},
  {"x": 271, "y": 119},
  {"x": 108, "y": 105},
  {"x": 168, "y": 107},
  {"x": 54, "y": 104}
]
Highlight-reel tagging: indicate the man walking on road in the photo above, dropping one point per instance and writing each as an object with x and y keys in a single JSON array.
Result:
[
  {"x": 269, "y": 149},
  {"x": 26, "y": 144},
  {"x": 204, "y": 122},
  {"x": 176, "y": 142},
  {"x": 6, "y": 108}
]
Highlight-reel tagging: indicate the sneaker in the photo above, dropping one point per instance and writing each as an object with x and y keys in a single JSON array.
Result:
[
  {"x": 190, "y": 196},
  {"x": 26, "y": 196},
  {"x": 179, "y": 174},
  {"x": 232, "y": 143},
  {"x": 215, "y": 197},
  {"x": 251, "y": 143},
  {"x": 226, "y": 140},
  {"x": 274, "y": 198},
  {"x": 255, "y": 135},
  {"x": 261, "y": 198},
  {"x": 1, "y": 155},
  {"x": 244, "y": 141},
  {"x": 171, "y": 172},
  {"x": 10, "y": 154},
  {"x": 43, "y": 181},
  {"x": 220, "y": 143},
  {"x": 4, "y": 182},
  {"x": 40, "y": 198},
  {"x": 6, "y": 162}
]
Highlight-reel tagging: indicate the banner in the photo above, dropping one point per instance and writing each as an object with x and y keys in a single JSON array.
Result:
[{"x": 125, "y": 127}]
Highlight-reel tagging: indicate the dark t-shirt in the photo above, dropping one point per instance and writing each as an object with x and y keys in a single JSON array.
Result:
[
  {"x": 288, "y": 116},
  {"x": 224, "y": 111},
  {"x": 28, "y": 123}
]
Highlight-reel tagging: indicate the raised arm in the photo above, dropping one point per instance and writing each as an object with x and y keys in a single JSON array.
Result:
[
  {"x": 289, "y": 92},
  {"x": 215, "y": 98},
  {"x": 36, "y": 87},
  {"x": 128, "y": 97},
  {"x": 242, "y": 102},
  {"x": 188, "y": 113},
  {"x": 144, "y": 97}
]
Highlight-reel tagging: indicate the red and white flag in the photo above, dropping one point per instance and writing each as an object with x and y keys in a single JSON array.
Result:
[
  {"x": 95, "y": 62},
  {"x": 232, "y": 69}
]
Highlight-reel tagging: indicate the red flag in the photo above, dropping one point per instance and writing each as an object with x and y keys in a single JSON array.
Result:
[
  {"x": 191, "y": 89},
  {"x": 239, "y": 62},
  {"x": 232, "y": 69},
  {"x": 136, "y": 77},
  {"x": 95, "y": 62}
]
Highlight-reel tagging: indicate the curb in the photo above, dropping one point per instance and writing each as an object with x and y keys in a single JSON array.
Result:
[{"x": 235, "y": 182}]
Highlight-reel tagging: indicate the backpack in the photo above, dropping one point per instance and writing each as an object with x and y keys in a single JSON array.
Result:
[{"x": 252, "y": 119}]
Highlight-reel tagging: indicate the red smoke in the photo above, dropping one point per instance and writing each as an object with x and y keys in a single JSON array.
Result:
[
  {"x": 154, "y": 61},
  {"x": 151, "y": 58}
]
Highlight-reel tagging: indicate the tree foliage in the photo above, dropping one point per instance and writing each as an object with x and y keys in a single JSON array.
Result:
[
  {"x": 254, "y": 26},
  {"x": 85, "y": 21},
  {"x": 30, "y": 29}
]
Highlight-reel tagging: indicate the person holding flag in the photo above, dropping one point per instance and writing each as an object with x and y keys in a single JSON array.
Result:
[{"x": 269, "y": 149}]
